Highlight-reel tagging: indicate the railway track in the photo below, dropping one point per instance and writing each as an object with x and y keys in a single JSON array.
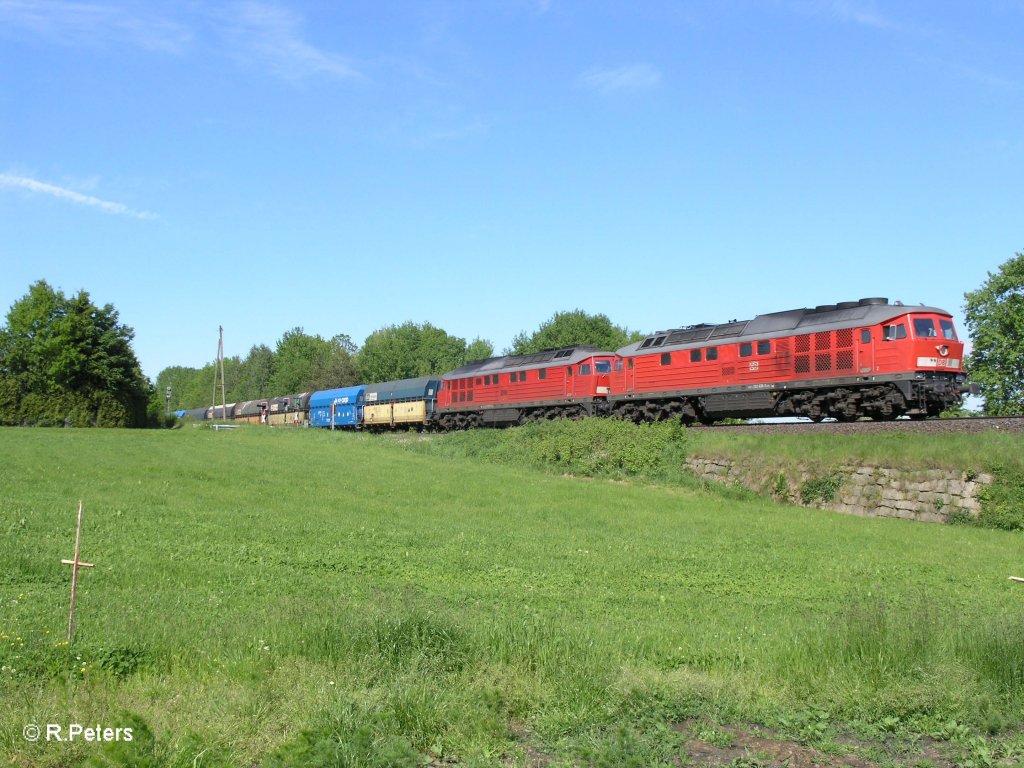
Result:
[{"x": 977, "y": 424}]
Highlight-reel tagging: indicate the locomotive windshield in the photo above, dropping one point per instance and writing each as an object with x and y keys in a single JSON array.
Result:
[
  {"x": 924, "y": 328},
  {"x": 603, "y": 366}
]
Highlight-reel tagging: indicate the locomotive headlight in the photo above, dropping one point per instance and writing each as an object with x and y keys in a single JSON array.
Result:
[{"x": 943, "y": 350}]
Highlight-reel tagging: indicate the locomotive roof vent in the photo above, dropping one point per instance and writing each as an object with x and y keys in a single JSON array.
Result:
[
  {"x": 825, "y": 308},
  {"x": 847, "y": 305},
  {"x": 873, "y": 301}
]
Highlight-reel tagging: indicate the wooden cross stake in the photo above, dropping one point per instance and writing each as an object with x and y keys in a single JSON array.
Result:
[{"x": 75, "y": 565}]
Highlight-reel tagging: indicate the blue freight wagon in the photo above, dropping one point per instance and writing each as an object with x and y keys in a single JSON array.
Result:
[{"x": 337, "y": 408}]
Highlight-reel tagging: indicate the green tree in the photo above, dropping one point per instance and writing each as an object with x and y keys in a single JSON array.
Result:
[
  {"x": 995, "y": 322},
  {"x": 304, "y": 363},
  {"x": 568, "y": 329},
  {"x": 409, "y": 350},
  {"x": 342, "y": 368},
  {"x": 179, "y": 378},
  {"x": 63, "y": 358},
  {"x": 255, "y": 374},
  {"x": 479, "y": 349}
]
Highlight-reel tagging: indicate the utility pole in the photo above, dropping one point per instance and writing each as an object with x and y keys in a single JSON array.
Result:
[{"x": 218, "y": 365}]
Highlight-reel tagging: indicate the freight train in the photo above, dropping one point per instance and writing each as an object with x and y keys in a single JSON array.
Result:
[{"x": 846, "y": 361}]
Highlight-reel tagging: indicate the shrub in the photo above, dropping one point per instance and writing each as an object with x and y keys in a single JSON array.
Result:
[
  {"x": 821, "y": 489},
  {"x": 590, "y": 447}
]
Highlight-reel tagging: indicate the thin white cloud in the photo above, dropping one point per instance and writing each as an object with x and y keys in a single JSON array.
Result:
[
  {"x": 855, "y": 12},
  {"x": 91, "y": 24},
  {"x": 632, "y": 77},
  {"x": 23, "y": 182},
  {"x": 270, "y": 35}
]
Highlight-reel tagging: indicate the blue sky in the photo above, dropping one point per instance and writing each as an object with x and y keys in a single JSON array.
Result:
[{"x": 481, "y": 165}]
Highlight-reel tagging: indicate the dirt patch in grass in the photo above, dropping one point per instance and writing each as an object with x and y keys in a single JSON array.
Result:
[{"x": 756, "y": 747}]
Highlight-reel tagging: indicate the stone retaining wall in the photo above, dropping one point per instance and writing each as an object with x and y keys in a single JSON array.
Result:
[{"x": 930, "y": 495}]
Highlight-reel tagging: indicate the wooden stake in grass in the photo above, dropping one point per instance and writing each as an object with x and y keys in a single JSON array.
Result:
[{"x": 75, "y": 565}]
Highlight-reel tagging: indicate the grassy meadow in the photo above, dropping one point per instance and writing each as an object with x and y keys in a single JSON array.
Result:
[{"x": 294, "y": 597}]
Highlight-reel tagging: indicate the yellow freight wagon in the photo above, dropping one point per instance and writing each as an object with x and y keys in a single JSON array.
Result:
[
  {"x": 414, "y": 412},
  {"x": 378, "y": 415},
  {"x": 406, "y": 403}
]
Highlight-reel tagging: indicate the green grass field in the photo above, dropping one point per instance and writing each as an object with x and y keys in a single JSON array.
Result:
[{"x": 276, "y": 597}]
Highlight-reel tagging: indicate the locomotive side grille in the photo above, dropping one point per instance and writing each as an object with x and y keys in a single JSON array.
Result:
[
  {"x": 803, "y": 363},
  {"x": 822, "y": 341},
  {"x": 844, "y": 360},
  {"x": 728, "y": 370},
  {"x": 803, "y": 343},
  {"x": 822, "y": 362},
  {"x": 844, "y": 338}
]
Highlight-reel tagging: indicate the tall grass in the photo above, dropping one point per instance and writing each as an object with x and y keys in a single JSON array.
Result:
[{"x": 590, "y": 448}]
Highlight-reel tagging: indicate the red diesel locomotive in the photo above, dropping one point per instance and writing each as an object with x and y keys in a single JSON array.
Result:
[
  {"x": 500, "y": 391},
  {"x": 846, "y": 361}
]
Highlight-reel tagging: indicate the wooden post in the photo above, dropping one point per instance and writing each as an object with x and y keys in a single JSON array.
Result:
[{"x": 75, "y": 565}]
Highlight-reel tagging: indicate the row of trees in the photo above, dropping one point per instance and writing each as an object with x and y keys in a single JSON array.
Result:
[
  {"x": 303, "y": 363},
  {"x": 64, "y": 360}
]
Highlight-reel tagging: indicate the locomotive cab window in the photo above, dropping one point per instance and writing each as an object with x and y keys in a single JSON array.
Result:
[
  {"x": 746, "y": 349},
  {"x": 865, "y": 336},
  {"x": 924, "y": 328},
  {"x": 712, "y": 353},
  {"x": 894, "y": 332},
  {"x": 694, "y": 355},
  {"x": 666, "y": 358},
  {"x": 585, "y": 369},
  {"x": 764, "y": 347},
  {"x": 542, "y": 374},
  {"x": 948, "y": 332},
  {"x": 603, "y": 366}
]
